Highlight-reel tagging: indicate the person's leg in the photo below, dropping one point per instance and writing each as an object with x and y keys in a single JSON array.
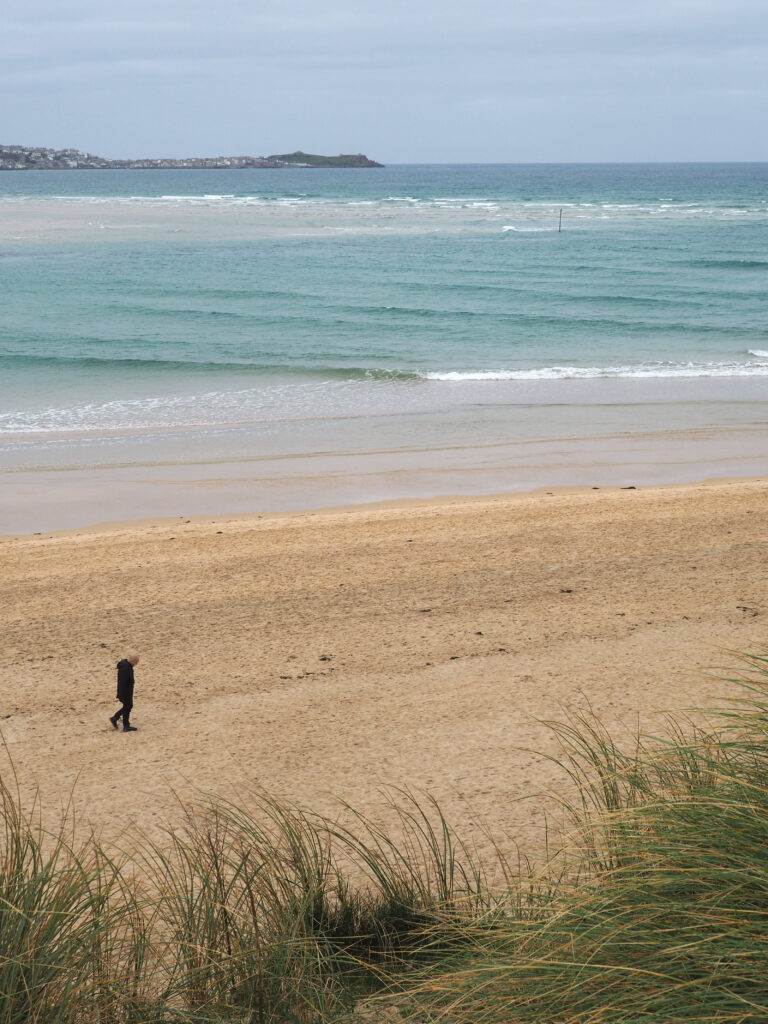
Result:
[
  {"x": 117, "y": 716},
  {"x": 126, "y": 712}
]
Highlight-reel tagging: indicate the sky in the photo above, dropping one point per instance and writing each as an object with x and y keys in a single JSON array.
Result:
[{"x": 404, "y": 81}]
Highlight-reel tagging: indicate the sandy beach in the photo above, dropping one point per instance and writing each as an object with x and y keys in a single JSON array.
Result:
[{"x": 327, "y": 655}]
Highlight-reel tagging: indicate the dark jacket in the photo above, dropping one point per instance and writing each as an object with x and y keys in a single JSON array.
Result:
[{"x": 125, "y": 680}]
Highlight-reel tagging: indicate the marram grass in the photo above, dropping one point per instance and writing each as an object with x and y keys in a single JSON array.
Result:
[
  {"x": 668, "y": 919},
  {"x": 265, "y": 914},
  {"x": 72, "y": 942}
]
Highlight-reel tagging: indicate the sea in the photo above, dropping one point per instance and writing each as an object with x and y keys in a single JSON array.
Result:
[{"x": 199, "y": 341}]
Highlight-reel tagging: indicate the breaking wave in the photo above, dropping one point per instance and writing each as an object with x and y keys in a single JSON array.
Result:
[{"x": 641, "y": 371}]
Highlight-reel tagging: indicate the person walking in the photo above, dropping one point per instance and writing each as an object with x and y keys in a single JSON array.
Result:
[{"x": 125, "y": 683}]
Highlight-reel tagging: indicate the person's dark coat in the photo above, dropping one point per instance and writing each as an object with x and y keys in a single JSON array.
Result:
[{"x": 125, "y": 681}]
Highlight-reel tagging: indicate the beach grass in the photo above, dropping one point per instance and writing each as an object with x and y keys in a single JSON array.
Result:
[
  {"x": 655, "y": 909},
  {"x": 661, "y": 914},
  {"x": 73, "y": 937}
]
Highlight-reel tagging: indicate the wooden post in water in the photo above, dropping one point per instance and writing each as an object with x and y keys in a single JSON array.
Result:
[{"x": 560, "y": 223}]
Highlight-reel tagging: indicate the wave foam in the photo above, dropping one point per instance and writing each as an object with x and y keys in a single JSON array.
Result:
[
  {"x": 526, "y": 231},
  {"x": 330, "y": 394},
  {"x": 643, "y": 371},
  {"x": 513, "y": 210}
]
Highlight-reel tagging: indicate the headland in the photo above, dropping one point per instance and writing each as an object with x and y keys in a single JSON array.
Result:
[{"x": 38, "y": 158}]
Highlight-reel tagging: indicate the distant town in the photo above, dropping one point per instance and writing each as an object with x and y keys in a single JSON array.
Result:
[{"x": 36, "y": 158}]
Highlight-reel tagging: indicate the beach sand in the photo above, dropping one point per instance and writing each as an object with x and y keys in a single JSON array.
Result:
[{"x": 327, "y": 656}]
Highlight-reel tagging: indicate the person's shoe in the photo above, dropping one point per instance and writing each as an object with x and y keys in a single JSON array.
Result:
[
  {"x": 130, "y": 728},
  {"x": 113, "y": 723}
]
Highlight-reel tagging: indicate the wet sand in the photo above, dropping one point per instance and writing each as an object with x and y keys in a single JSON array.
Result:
[
  {"x": 325, "y": 655},
  {"x": 362, "y": 465}
]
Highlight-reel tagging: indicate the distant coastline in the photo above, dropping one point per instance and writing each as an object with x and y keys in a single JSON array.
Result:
[{"x": 37, "y": 158}]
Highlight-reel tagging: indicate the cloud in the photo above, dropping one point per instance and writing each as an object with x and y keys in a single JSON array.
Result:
[{"x": 406, "y": 60}]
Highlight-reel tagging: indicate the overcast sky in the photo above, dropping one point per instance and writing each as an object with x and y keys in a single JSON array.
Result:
[{"x": 401, "y": 80}]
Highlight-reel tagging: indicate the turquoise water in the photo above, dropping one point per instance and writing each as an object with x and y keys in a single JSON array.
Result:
[{"x": 154, "y": 317}]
